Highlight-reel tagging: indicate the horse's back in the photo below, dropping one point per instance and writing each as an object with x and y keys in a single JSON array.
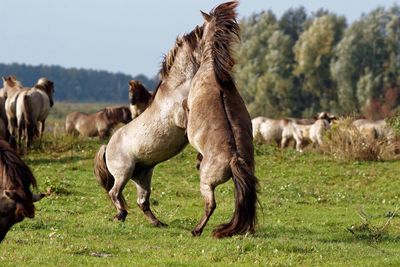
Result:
[{"x": 83, "y": 123}]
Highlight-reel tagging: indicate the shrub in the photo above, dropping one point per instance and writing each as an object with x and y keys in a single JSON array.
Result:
[{"x": 344, "y": 141}]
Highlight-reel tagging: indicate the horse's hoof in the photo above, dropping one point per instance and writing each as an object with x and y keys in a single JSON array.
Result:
[
  {"x": 160, "y": 224},
  {"x": 196, "y": 232},
  {"x": 121, "y": 216}
]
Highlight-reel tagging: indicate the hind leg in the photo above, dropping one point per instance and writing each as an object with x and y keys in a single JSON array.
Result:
[
  {"x": 117, "y": 197},
  {"x": 41, "y": 131},
  {"x": 143, "y": 185},
  {"x": 212, "y": 173}
]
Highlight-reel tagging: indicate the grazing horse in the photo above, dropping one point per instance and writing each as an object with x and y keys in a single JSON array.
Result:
[
  {"x": 374, "y": 129},
  {"x": 139, "y": 98},
  {"x": 155, "y": 136},
  {"x": 16, "y": 198},
  {"x": 99, "y": 124},
  {"x": 33, "y": 107},
  {"x": 310, "y": 133},
  {"x": 12, "y": 88},
  {"x": 266, "y": 130},
  {"x": 219, "y": 125}
]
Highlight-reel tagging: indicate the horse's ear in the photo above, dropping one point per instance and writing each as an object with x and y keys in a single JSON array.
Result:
[
  {"x": 3, "y": 78},
  {"x": 14, "y": 77},
  {"x": 206, "y": 16}
]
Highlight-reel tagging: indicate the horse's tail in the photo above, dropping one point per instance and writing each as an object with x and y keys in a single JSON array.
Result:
[
  {"x": 29, "y": 121},
  {"x": 245, "y": 217},
  {"x": 103, "y": 175}
]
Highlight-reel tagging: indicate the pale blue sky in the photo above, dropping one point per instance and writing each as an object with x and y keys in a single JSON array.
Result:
[{"x": 128, "y": 36}]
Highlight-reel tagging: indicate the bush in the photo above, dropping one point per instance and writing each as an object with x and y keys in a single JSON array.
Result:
[{"x": 344, "y": 141}]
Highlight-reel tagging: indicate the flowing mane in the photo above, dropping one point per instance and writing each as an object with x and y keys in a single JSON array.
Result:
[
  {"x": 45, "y": 85},
  {"x": 192, "y": 40},
  {"x": 226, "y": 33}
]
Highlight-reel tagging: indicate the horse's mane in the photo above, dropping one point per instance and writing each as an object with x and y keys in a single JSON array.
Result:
[
  {"x": 12, "y": 81},
  {"x": 16, "y": 175},
  {"x": 191, "y": 39},
  {"x": 116, "y": 114},
  {"x": 144, "y": 94},
  {"x": 226, "y": 33},
  {"x": 45, "y": 85}
]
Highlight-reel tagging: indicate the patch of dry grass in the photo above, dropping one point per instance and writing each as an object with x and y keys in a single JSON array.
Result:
[{"x": 344, "y": 141}]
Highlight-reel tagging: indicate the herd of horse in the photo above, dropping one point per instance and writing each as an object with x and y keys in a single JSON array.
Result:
[
  {"x": 196, "y": 102},
  {"x": 312, "y": 130},
  {"x": 24, "y": 110}
]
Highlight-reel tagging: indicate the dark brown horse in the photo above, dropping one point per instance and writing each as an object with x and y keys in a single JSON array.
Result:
[
  {"x": 99, "y": 124},
  {"x": 139, "y": 98},
  {"x": 16, "y": 198},
  {"x": 219, "y": 125}
]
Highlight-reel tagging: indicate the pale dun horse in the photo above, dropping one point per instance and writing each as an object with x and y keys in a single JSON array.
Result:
[
  {"x": 153, "y": 137},
  {"x": 32, "y": 108},
  {"x": 225, "y": 141},
  {"x": 12, "y": 88},
  {"x": 139, "y": 98}
]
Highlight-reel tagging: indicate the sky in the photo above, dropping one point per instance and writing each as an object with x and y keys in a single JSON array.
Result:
[{"x": 128, "y": 36}]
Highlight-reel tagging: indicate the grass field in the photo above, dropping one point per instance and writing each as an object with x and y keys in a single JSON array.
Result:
[{"x": 309, "y": 203}]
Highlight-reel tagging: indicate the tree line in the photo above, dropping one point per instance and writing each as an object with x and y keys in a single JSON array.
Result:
[
  {"x": 78, "y": 85},
  {"x": 301, "y": 63}
]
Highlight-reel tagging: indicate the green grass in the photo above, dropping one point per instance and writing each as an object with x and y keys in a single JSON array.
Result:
[{"x": 308, "y": 202}]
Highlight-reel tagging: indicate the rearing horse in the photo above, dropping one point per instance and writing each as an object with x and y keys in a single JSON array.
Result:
[
  {"x": 153, "y": 137},
  {"x": 225, "y": 142}
]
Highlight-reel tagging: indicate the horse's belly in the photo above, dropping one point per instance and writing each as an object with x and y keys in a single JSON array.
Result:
[{"x": 147, "y": 146}]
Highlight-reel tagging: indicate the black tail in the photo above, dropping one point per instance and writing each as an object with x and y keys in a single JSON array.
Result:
[
  {"x": 103, "y": 176},
  {"x": 245, "y": 216}
]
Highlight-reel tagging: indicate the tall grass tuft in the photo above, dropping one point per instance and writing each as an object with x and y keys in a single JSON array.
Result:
[
  {"x": 345, "y": 142},
  {"x": 368, "y": 230}
]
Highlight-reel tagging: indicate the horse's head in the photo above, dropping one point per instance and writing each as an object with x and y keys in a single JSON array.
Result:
[
  {"x": 138, "y": 93},
  {"x": 10, "y": 83},
  {"x": 12, "y": 210},
  {"x": 16, "y": 199},
  {"x": 221, "y": 30},
  {"x": 48, "y": 87}
]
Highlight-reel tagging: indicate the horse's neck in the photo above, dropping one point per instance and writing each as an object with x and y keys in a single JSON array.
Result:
[{"x": 11, "y": 91}]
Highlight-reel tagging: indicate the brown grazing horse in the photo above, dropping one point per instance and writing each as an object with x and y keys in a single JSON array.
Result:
[
  {"x": 139, "y": 98},
  {"x": 16, "y": 198},
  {"x": 155, "y": 136},
  {"x": 99, "y": 124},
  {"x": 219, "y": 125}
]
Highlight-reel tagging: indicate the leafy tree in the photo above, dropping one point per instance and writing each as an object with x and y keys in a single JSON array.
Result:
[{"x": 313, "y": 54}]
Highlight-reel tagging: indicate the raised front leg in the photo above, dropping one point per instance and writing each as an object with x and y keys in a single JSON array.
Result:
[{"x": 143, "y": 185}]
